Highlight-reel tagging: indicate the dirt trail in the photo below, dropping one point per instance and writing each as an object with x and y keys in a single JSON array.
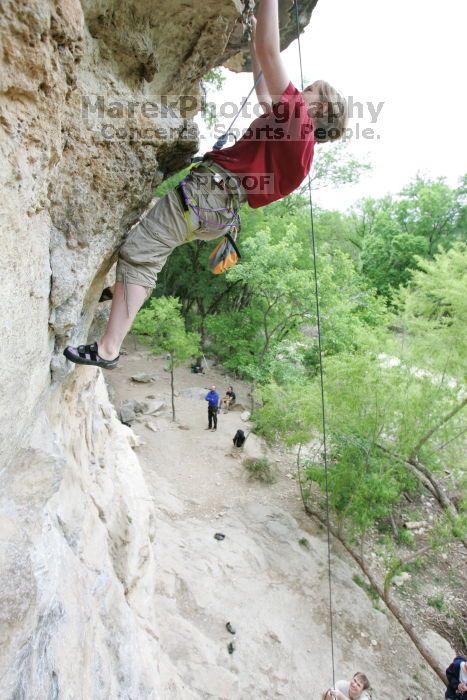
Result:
[{"x": 261, "y": 578}]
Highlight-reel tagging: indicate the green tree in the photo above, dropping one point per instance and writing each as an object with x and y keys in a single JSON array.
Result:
[
  {"x": 161, "y": 326},
  {"x": 393, "y": 419},
  {"x": 335, "y": 166},
  {"x": 389, "y": 255},
  {"x": 279, "y": 300},
  {"x": 433, "y": 210},
  {"x": 273, "y": 333},
  {"x": 434, "y": 311},
  {"x": 212, "y": 81},
  {"x": 394, "y": 232}
]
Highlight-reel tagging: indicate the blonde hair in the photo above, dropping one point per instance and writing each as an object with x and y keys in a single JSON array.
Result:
[{"x": 330, "y": 124}]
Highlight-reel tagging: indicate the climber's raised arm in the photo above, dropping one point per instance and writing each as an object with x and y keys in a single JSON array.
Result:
[
  {"x": 267, "y": 49},
  {"x": 264, "y": 98}
]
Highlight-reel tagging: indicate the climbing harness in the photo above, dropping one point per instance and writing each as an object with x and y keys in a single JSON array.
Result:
[
  {"x": 189, "y": 205},
  {"x": 226, "y": 253},
  {"x": 321, "y": 374},
  {"x": 186, "y": 209},
  {"x": 197, "y": 209}
]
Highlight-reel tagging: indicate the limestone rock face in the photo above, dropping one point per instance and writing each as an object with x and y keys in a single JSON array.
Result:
[
  {"x": 76, "y": 591},
  {"x": 95, "y": 100},
  {"x": 288, "y": 28}
]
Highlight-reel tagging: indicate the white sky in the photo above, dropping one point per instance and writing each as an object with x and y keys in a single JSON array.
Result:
[{"x": 409, "y": 54}]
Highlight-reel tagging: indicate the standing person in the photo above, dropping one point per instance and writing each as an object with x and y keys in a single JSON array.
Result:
[
  {"x": 456, "y": 674},
  {"x": 212, "y": 397},
  {"x": 269, "y": 162},
  {"x": 355, "y": 689}
]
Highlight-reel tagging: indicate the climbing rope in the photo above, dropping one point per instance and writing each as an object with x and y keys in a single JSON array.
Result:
[
  {"x": 321, "y": 374},
  {"x": 222, "y": 140}
]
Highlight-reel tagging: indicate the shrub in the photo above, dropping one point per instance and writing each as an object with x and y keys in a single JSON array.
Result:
[
  {"x": 437, "y": 601},
  {"x": 259, "y": 469}
]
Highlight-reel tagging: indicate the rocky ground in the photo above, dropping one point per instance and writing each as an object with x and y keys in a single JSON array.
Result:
[{"x": 267, "y": 577}]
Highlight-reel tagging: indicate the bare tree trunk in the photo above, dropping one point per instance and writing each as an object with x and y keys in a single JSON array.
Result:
[
  {"x": 443, "y": 500},
  {"x": 393, "y": 607},
  {"x": 426, "y": 477},
  {"x": 172, "y": 388},
  {"x": 395, "y": 533},
  {"x": 252, "y": 396},
  {"x": 362, "y": 547}
]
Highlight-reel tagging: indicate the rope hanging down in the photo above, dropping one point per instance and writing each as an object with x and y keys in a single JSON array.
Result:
[{"x": 321, "y": 374}]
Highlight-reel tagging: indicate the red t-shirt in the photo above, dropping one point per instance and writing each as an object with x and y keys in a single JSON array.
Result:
[{"x": 274, "y": 155}]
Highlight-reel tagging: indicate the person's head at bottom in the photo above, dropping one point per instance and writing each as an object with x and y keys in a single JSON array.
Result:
[
  {"x": 353, "y": 690},
  {"x": 358, "y": 684}
]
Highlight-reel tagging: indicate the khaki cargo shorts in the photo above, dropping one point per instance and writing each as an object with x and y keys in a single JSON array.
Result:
[{"x": 165, "y": 226}]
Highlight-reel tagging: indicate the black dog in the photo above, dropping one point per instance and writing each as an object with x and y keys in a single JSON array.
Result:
[{"x": 239, "y": 438}]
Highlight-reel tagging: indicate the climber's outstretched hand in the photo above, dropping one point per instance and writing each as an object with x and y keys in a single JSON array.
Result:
[{"x": 267, "y": 46}]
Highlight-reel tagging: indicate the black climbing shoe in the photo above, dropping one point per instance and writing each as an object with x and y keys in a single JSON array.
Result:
[
  {"x": 230, "y": 628},
  {"x": 219, "y": 536},
  {"x": 106, "y": 295},
  {"x": 231, "y": 647},
  {"x": 89, "y": 355}
]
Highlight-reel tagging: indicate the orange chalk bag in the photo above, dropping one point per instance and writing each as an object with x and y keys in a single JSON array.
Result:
[{"x": 224, "y": 256}]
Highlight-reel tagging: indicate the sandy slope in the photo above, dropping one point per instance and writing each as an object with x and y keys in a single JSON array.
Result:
[{"x": 271, "y": 588}]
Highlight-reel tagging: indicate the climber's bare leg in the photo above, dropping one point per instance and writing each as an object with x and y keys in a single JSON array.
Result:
[{"x": 121, "y": 318}]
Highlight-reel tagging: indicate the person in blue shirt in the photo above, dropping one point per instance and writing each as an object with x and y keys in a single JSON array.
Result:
[{"x": 212, "y": 397}]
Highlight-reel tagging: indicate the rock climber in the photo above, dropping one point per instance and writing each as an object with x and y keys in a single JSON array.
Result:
[
  {"x": 355, "y": 689},
  {"x": 266, "y": 164}
]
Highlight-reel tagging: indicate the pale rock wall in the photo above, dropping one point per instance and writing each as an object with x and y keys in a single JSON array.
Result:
[
  {"x": 76, "y": 581},
  {"x": 77, "y": 617}
]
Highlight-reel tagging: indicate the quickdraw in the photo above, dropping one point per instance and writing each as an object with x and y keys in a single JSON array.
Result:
[{"x": 247, "y": 16}]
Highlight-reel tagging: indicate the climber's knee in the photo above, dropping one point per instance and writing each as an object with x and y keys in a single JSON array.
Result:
[{"x": 129, "y": 273}]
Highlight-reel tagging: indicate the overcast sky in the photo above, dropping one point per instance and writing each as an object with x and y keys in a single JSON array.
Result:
[{"x": 409, "y": 55}]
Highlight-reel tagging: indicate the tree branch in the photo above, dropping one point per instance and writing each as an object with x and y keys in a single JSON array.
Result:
[
  {"x": 442, "y": 422},
  {"x": 424, "y": 475},
  {"x": 393, "y": 607}
]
